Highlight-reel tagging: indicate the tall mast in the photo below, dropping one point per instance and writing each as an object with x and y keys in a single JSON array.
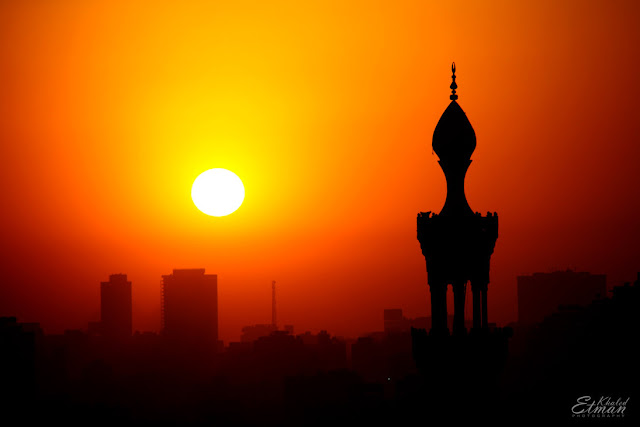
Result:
[{"x": 273, "y": 305}]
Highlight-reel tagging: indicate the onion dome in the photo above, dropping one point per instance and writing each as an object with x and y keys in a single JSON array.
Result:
[{"x": 454, "y": 137}]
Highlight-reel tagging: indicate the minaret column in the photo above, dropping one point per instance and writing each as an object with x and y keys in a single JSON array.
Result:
[
  {"x": 458, "y": 305},
  {"x": 485, "y": 323},
  {"x": 475, "y": 289},
  {"x": 439, "y": 308}
]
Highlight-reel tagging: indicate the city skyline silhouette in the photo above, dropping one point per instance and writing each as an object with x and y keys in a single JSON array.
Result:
[
  {"x": 467, "y": 255},
  {"x": 275, "y": 376},
  {"x": 103, "y": 137}
]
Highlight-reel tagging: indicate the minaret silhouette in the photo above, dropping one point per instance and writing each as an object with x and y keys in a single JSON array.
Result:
[{"x": 457, "y": 244}]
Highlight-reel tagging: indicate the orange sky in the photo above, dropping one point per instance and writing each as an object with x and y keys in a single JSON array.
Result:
[{"x": 109, "y": 110}]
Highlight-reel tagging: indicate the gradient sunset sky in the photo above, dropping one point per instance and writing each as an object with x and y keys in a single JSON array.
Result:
[{"x": 110, "y": 109}]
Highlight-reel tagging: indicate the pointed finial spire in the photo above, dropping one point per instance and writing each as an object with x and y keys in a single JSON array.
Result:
[{"x": 453, "y": 86}]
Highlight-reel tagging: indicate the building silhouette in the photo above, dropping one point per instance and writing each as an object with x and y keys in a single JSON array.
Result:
[
  {"x": 115, "y": 307},
  {"x": 190, "y": 307},
  {"x": 18, "y": 345},
  {"x": 457, "y": 243},
  {"x": 575, "y": 351},
  {"x": 395, "y": 322},
  {"x": 253, "y": 332},
  {"x": 541, "y": 294}
]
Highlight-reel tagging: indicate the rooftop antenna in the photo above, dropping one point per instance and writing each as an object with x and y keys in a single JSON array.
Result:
[{"x": 273, "y": 305}]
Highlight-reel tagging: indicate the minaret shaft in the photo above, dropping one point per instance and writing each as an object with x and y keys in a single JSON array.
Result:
[{"x": 456, "y": 203}]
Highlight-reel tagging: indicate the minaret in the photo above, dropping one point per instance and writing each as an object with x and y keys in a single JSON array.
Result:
[{"x": 457, "y": 243}]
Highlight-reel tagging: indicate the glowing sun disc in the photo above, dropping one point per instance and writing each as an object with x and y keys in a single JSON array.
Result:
[{"x": 217, "y": 192}]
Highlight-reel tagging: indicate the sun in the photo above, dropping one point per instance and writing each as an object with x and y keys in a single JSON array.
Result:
[{"x": 217, "y": 192}]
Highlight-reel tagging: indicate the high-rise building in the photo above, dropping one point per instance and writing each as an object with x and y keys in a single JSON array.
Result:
[
  {"x": 540, "y": 294},
  {"x": 115, "y": 307},
  {"x": 190, "y": 306}
]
